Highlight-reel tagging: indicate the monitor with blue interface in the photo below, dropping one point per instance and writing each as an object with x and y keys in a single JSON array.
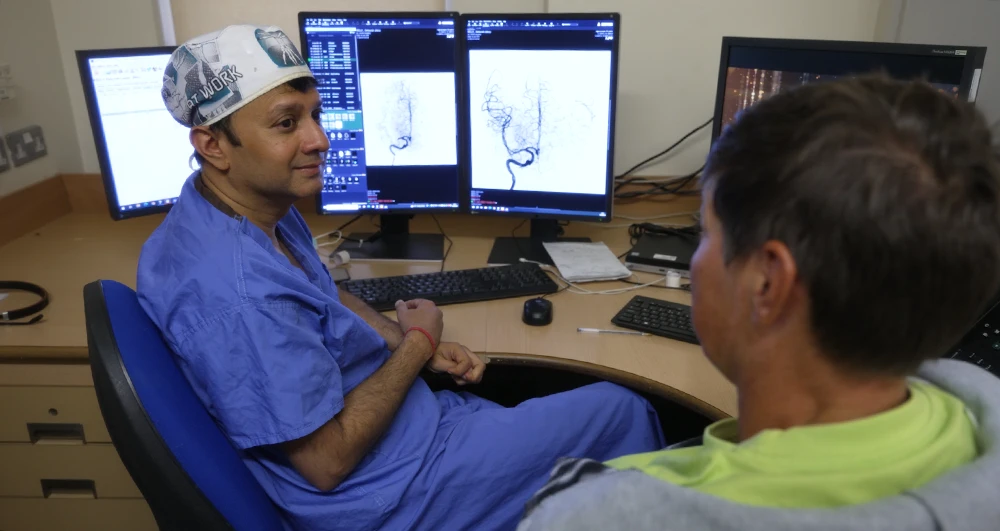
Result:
[
  {"x": 388, "y": 85},
  {"x": 143, "y": 174},
  {"x": 540, "y": 101}
]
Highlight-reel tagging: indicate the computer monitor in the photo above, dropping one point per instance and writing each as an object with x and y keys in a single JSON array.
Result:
[
  {"x": 752, "y": 69},
  {"x": 539, "y": 100},
  {"x": 143, "y": 153},
  {"x": 389, "y": 88}
]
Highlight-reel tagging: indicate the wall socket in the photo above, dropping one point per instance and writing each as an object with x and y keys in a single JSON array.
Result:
[
  {"x": 5, "y": 71},
  {"x": 27, "y": 145},
  {"x": 5, "y": 163}
]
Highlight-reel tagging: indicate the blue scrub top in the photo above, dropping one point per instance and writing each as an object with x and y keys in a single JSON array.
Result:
[{"x": 272, "y": 352}]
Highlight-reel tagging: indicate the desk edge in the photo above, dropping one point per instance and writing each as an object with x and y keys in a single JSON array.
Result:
[{"x": 628, "y": 379}]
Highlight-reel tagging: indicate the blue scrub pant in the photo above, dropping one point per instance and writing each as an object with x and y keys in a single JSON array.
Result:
[{"x": 488, "y": 460}]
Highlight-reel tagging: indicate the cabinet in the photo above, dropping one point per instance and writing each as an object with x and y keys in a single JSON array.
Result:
[{"x": 58, "y": 468}]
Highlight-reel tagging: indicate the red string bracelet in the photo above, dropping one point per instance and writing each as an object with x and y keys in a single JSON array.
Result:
[{"x": 424, "y": 332}]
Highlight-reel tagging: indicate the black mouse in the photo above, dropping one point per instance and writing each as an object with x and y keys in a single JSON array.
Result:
[{"x": 537, "y": 312}]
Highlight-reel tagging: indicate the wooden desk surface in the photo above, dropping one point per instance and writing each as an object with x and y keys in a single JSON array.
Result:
[{"x": 80, "y": 247}]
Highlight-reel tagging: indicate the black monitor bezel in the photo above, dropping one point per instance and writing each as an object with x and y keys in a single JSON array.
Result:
[
  {"x": 974, "y": 58},
  {"x": 454, "y": 15},
  {"x": 466, "y": 95},
  {"x": 83, "y": 58}
]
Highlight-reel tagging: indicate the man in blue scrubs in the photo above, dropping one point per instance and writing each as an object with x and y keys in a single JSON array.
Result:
[{"x": 319, "y": 392}]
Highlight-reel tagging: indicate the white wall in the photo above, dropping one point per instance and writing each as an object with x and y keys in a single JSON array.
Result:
[
  {"x": 96, "y": 24},
  {"x": 197, "y": 17},
  {"x": 502, "y": 6},
  {"x": 28, "y": 46},
  {"x": 39, "y": 39},
  {"x": 669, "y": 50},
  {"x": 957, "y": 22},
  {"x": 669, "y": 62}
]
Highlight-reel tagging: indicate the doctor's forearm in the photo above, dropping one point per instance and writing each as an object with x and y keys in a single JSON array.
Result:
[
  {"x": 328, "y": 456},
  {"x": 387, "y": 328}
]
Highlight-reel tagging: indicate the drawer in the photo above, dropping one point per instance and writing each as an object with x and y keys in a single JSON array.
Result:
[
  {"x": 28, "y": 414},
  {"x": 52, "y": 514},
  {"x": 30, "y": 470}
]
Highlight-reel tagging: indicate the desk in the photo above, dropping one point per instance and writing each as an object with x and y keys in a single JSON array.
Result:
[{"x": 49, "y": 359}]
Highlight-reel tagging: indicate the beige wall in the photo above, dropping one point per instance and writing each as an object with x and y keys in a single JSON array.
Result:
[
  {"x": 95, "y": 24},
  {"x": 39, "y": 39},
  {"x": 28, "y": 46},
  {"x": 962, "y": 23},
  {"x": 669, "y": 49},
  {"x": 501, "y": 6},
  {"x": 197, "y": 17},
  {"x": 670, "y": 61}
]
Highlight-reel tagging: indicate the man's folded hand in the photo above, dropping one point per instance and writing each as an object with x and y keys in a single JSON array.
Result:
[{"x": 463, "y": 365}]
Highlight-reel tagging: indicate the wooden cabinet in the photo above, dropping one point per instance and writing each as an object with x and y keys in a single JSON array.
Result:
[
  {"x": 68, "y": 514},
  {"x": 58, "y": 468},
  {"x": 51, "y": 414}
]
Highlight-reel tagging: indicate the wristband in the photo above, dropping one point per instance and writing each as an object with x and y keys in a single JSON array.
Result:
[{"x": 424, "y": 332}]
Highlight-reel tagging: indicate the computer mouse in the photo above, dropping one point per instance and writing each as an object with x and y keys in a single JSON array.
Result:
[{"x": 537, "y": 312}]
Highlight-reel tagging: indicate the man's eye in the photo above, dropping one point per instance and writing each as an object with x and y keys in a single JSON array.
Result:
[{"x": 287, "y": 123}]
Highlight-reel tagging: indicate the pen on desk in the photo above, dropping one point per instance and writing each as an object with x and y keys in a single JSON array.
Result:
[{"x": 601, "y": 331}]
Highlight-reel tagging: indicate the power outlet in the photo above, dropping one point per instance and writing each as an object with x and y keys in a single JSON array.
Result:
[
  {"x": 6, "y": 93},
  {"x": 27, "y": 145},
  {"x": 5, "y": 163},
  {"x": 5, "y": 72}
]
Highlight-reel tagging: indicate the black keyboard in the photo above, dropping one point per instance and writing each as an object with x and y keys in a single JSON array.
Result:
[
  {"x": 661, "y": 318},
  {"x": 453, "y": 287},
  {"x": 981, "y": 344}
]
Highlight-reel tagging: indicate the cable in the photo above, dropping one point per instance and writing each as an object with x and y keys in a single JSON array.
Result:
[
  {"x": 560, "y": 290},
  {"x": 691, "y": 233},
  {"x": 692, "y": 213},
  {"x": 349, "y": 222},
  {"x": 580, "y": 290},
  {"x": 684, "y": 287},
  {"x": 660, "y": 154},
  {"x": 446, "y": 238},
  {"x": 339, "y": 231},
  {"x": 665, "y": 188},
  {"x": 340, "y": 236},
  {"x": 517, "y": 241}
]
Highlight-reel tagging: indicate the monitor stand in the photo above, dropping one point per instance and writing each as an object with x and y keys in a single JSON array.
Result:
[
  {"x": 393, "y": 241},
  {"x": 508, "y": 250}
]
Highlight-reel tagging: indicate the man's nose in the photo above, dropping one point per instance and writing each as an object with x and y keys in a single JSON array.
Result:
[{"x": 316, "y": 139}]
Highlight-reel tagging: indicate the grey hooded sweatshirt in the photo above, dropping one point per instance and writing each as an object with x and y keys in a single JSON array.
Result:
[{"x": 964, "y": 499}]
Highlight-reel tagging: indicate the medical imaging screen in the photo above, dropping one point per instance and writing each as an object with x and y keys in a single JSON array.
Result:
[
  {"x": 539, "y": 115},
  {"x": 148, "y": 171},
  {"x": 388, "y": 89},
  {"x": 753, "y": 74}
]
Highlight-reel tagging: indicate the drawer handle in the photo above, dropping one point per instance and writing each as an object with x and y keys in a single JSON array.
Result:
[
  {"x": 52, "y": 433},
  {"x": 69, "y": 488}
]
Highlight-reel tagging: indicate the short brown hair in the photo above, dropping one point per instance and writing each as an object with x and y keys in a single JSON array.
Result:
[{"x": 887, "y": 194}]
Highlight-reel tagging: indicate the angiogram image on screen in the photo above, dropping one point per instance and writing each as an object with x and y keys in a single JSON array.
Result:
[
  {"x": 409, "y": 119},
  {"x": 747, "y": 86},
  {"x": 539, "y": 120}
]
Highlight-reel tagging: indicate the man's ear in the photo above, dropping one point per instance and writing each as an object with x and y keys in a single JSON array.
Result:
[
  {"x": 208, "y": 145},
  {"x": 774, "y": 275}
]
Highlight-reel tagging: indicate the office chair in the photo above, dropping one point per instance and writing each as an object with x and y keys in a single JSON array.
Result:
[{"x": 189, "y": 473}]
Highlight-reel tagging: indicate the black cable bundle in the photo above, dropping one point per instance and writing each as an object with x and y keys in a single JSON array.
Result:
[{"x": 637, "y": 230}]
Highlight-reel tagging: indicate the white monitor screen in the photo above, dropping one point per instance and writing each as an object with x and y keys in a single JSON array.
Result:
[
  {"x": 540, "y": 107},
  {"x": 147, "y": 152}
]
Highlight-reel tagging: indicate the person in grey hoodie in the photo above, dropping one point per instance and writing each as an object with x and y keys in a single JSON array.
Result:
[{"x": 851, "y": 234}]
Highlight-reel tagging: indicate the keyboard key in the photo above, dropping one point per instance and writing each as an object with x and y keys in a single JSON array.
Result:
[
  {"x": 661, "y": 318},
  {"x": 452, "y": 287}
]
